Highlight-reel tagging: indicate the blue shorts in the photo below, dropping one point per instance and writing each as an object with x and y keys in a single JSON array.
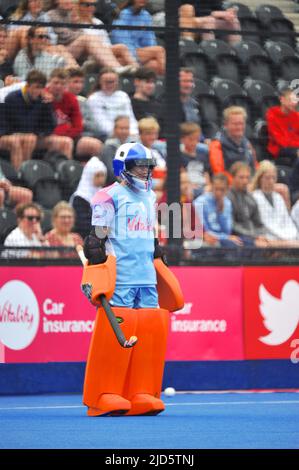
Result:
[{"x": 135, "y": 297}]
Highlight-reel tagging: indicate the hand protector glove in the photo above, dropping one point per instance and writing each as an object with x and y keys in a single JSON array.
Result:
[{"x": 94, "y": 248}]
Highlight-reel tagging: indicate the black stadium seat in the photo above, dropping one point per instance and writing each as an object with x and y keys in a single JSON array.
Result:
[
  {"x": 8, "y": 171},
  {"x": 267, "y": 13},
  {"x": 201, "y": 88},
  {"x": 224, "y": 89},
  {"x": 69, "y": 174},
  {"x": 8, "y": 221},
  {"x": 253, "y": 27},
  {"x": 199, "y": 63},
  {"x": 278, "y": 51},
  {"x": 282, "y": 30},
  {"x": 289, "y": 69},
  {"x": 224, "y": 63},
  {"x": 260, "y": 68},
  {"x": 262, "y": 94},
  {"x": 243, "y": 11},
  {"x": 245, "y": 50},
  {"x": 186, "y": 46},
  {"x": 39, "y": 176}
]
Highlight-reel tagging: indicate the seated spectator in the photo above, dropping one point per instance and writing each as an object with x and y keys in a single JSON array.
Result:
[
  {"x": 6, "y": 71},
  {"x": 79, "y": 44},
  {"x": 75, "y": 84},
  {"x": 295, "y": 213},
  {"x": 121, "y": 135},
  {"x": 63, "y": 220},
  {"x": 86, "y": 9},
  {"x": 141, "y": 44},
  {"x": 143, "y": 103},
  {"x": 246, "y": 217},
  {"x": 148, "y": 134},
  {"x": 283, "y": 128},
  {"x": 28, "y": 233},
  {"x": 273, "y": 211},
  {"x": 214, "y": 209},
  {"x": 35, "y": 55},
  {"x": 69, "y": 118},
  {"x": 12, "y": 195},
  {"x": 193, "y": 159},
  {"x": 283, "y": 134},
  {"x": 231, "y": 145},
  {"x": 29, "y": 121},
  {"x": 211, "y": 15},
  {"x": 107, "y": 102},
  {"x": 92, "y": 179},
  {"x": 28, "y": 10}
]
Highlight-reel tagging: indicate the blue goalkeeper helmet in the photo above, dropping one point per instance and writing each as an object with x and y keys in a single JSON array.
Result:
[{"x": 132, "y": 155}]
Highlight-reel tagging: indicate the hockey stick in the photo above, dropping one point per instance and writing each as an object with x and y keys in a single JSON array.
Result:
[{"x": 110, "y": 315}]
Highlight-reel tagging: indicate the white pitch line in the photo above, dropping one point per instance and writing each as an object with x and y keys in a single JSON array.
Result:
[{"x": 211, "y": 403}]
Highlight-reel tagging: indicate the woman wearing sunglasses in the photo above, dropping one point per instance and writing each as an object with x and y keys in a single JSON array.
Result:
[
  {"x": 35, "y": 55},
  {"x": 28, "y": 233}
]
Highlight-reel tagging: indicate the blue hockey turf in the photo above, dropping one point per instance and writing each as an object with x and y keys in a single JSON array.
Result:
[{"x": 198, "y": 421}]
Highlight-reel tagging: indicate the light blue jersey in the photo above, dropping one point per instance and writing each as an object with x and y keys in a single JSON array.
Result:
[{"x": 131, "y": 218}]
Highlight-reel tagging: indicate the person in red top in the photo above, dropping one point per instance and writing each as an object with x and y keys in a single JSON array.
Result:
[
  {"x": 283, "y": 127},
  {"x": 69, "y": 118},
  {"x": 283, "y": 134}
]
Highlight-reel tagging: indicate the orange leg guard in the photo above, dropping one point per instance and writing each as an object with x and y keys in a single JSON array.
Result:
[
  {"x": 119, "y": 380},
  {"x": 145, "y": 373}
]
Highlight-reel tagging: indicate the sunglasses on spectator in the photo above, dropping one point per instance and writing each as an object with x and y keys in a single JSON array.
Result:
[
  {"x": 31, "y": 218},
  {"x": 88, "y": 4},
  {"x": 41, "y": 36}
]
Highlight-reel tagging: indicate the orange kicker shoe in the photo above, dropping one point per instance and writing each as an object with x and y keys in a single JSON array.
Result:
[
  {"x": 145, "y": 404},
  {"x": 110, "y": 404}
]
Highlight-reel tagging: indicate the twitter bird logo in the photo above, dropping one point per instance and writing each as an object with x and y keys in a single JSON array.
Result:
[{"x": 281, "y": 316}]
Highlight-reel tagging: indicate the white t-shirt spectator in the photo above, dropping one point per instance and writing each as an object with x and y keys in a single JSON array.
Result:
[
  {"x": 18, "y": 238},
  {"x": 106, "y": 108}
]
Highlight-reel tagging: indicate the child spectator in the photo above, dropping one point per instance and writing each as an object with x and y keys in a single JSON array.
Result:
[
  {"x": 246, "y": 217},
  {"x": 215, "y": 210},
  {"x": 143, "y": 103},
  {"x": 194, "y": 159},
  {"x": 148, "y": 134},
  {"x": 69, "y": 118}
]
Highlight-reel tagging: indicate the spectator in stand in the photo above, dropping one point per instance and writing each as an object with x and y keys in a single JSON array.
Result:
[
  {"x": 295, "y": 213},
  {"x": 143, "y": 103},
  {"x": 69, "y": 118},
  {"x": 28, "y": 233},
  {"x": 29, "y": 121},
  {"x": 121, "y": 135},
  {"x": 283, "y": 128},
  {"x": 92, "y": 179},
  {"x": 215, "y": 211},
  {"x": 107, "y": 102},
  {"x": 231, "y": 145},
  {"x": 79, "y": 44},
  {"x": 272, "y": 208},
  {"x": 283, "y": 134},
  {"x": 35, "y": 55},
  {"x": 188, "y": 111},
  {"x": 6, "y": 70},
  {"x": 141, "y": 44},
  {"x": 63, "y": 220},
  {"x": 27, "y": 10},
  {"x": 10, "y": 194},
  {"x": 86, "y": 9},
  {"x": 75, "y": 86},
  {"x": 246, "y": 217},
  {"x": 193, "y": 159},
  {"x": 211, "y": 15},
  {"x": 148, "y": 134}
]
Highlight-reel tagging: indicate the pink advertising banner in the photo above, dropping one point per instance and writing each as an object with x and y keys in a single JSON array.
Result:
[
  {"x": 209, "y": 327},
  {"x": 44, "y": 317}
]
